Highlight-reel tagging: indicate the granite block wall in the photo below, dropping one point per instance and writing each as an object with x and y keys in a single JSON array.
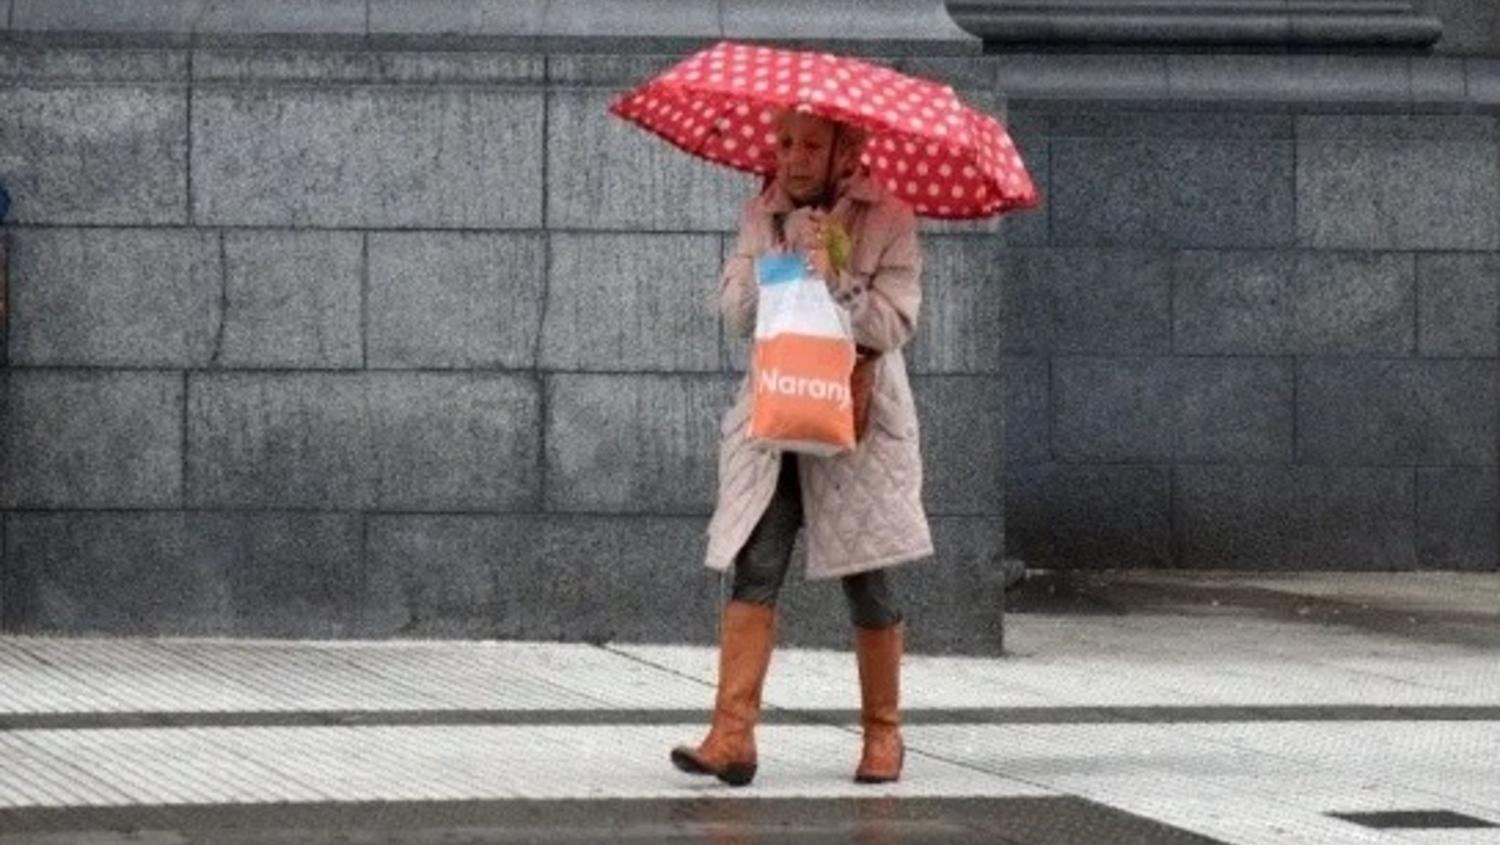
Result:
[
  {"x": 365, "y": 343},
  {"x": 1258, "y": 340},
  {"x": 322, "y": 342}
]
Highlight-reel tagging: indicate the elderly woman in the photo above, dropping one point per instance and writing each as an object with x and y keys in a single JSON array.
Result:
[{"x": 862, "y": 509}]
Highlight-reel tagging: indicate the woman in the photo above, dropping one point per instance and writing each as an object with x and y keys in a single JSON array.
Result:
[{"x": 862, "y": 509}]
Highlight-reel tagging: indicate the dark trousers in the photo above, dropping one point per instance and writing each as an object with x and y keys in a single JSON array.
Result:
[{"x": 760, "y": 567}]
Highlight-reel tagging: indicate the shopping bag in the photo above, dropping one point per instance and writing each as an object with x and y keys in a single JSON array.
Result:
[{"x": 801, "y": 362}]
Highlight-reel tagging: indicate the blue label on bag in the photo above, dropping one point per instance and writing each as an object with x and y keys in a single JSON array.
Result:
[{"x": 780, "y": 268}]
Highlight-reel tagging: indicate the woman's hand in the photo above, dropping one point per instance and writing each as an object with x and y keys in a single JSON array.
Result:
[
  {"x": 804, "y": 229},
  {"x": 822, "y": 265}
]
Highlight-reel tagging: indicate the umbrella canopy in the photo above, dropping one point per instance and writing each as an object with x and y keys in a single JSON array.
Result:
[{"x": 942, "y": 157}]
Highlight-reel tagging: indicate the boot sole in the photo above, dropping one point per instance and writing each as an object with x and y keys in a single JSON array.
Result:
[{"x": 734, "y": 774}]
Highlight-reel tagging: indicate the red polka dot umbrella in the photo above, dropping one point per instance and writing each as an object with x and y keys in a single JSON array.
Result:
[{"x": 942, "y": 157}]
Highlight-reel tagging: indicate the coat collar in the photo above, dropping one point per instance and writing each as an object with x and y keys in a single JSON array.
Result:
[{"x": 860, "y": 187}]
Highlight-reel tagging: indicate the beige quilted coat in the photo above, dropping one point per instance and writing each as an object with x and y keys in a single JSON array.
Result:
[{"x": 863, "y": 508}]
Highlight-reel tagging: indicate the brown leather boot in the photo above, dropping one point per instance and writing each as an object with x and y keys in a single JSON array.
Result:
[
  {"x": 878, "y": 651},
  {"x": 746, "y": 636}
]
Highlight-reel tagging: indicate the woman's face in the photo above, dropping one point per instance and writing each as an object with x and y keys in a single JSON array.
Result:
[{"x": 803, "y": 145}]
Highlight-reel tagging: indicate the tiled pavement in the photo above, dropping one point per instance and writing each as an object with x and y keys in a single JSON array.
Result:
[{"x": 1186, "y": 723}]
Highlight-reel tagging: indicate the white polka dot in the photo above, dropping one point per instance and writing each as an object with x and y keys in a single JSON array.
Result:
[
  {"x": 748, "y": 131},
  {"x": 922, "y": 168},
  {"x": 933, "y": 189},
  {"x": 958, "y": 192},
  {"x": 944, "y": 170},
  {"x": 770, "y": 139},
  {"x": 911, "y": 187},
  {"x": 729, "y": 144},
  {"x": 753, "y": 152}
]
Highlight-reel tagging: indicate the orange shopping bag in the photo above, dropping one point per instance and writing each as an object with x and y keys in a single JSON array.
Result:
[{"x": 803, "y": 357}]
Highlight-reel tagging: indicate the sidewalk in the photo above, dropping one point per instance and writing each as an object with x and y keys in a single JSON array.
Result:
[{"x": 1153, "y": 707}]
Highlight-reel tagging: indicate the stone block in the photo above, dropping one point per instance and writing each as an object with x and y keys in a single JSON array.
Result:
[
  {"x": 960, "y": 328},
  {"x": 634, "y": 443},
  {"x": 343, "y": 156},
  {"x": 1086, "y": 301},
  {"x": 54, "y": 63},
  {"x": 616, "y": 71},
  {"x": 1414, "y": 127},
  {"x": 1278, "y": 303},
  {"x": 1470, "y": 27},
  {"x": 1038, "y": 76},
  {"x": 1413, "y": 182},
  {"x": 333, "y": 441},
  {"x": 1458, "y": 305},
  {"x": 115, "y": 297},
  {"x": 639, "y": 18},
  {"x": 274, "y": 17},
  {"x": 1227, "y": 410},
  {"x": 632, "y": 302},
  {"x": 1089, "y": 516},
  {"x": 540, "y": 577},
  {"x": 1172, "y": 192},
  {"x": 455, "y": 299},
  {"x": 1234, "y": 303},
  {"x": 1354, "y": 304},
  {"x": 91, "y": 439},
  {"x": 962, "y": 423},
  {"x": 972, "y": 76},
  {"x": 165, "y": 16},
  {"x": 184, "y": 574},
  {"x": 1028, "y": 409},
  {"x": 1294, "y": 518},
  {"x": 876, "y": 21},
  {"x": 1176, "y": 125},
  {"x": 1398, "y": 412},
  {"x": 95, "y": 154},
  {"x": 1272, "y": 81},
  {"x": 457, "y": 17},
  {"x": 121, "y": 574},
  {"x": 1458, "y": 518},
  {"x": 603, "y": 173},
  {"x": 952, "y": 602},
  {"x": 1437, "y": 83},
  {"x": 326, "y": 67},
  {"x": 292, "y": 300}
]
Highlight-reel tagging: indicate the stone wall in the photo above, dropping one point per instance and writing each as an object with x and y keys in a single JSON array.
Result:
[
  {"x": 400, "y": 343},
  {"x": 1255, "y": 340}
]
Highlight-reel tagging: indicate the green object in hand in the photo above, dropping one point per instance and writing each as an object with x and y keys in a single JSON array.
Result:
[{"x": 838, "y": 244}]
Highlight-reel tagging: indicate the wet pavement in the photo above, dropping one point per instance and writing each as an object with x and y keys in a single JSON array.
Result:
[{"x": 1149, "y": 707}]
